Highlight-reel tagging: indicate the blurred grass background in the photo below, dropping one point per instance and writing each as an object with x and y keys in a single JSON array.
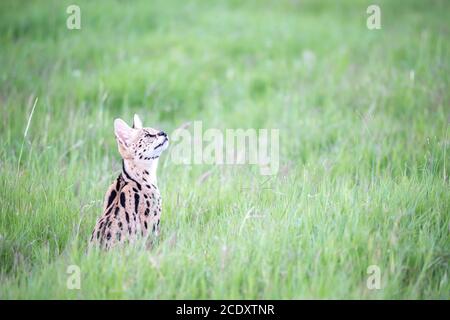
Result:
[{"x": 364, "y": 160}]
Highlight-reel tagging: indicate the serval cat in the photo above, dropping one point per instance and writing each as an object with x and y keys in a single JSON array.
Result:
[{"x": 132, "y": 205}]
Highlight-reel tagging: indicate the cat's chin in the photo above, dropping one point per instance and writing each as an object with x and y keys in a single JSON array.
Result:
[
  {"x": 162, "y": 146},
  {"x": 165, "y": 145}
]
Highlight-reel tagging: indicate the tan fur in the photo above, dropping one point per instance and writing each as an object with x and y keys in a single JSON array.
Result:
[{"x": 132, "y": 204}]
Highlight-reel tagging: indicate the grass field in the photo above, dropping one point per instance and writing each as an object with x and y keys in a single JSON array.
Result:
[{"x": 364, "y": 147}]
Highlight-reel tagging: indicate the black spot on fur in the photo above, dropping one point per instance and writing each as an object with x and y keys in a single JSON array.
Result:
[
  {"x": 122, "y": 199},
  {"x": 111, "y": 198},
  {"x": 145, "y": 224},
  {"x": 108, "y": 212},
  {"x": 136, "y": 202},
  {"x": 118, "y": 183},
  {"x": 127, "y": 217}
]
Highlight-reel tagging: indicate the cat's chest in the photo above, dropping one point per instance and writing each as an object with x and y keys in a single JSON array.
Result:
[{"x": 150, "y": 204}]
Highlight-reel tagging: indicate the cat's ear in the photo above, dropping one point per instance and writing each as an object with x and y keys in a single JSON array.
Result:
[
  {"x": 137, "y": 123},
  {"x": 124, "y": 133}
]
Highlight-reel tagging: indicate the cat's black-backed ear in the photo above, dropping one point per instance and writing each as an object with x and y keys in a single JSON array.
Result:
[
  {"x": 123, "y": 132},
  {"x": 137, "y": 123}
]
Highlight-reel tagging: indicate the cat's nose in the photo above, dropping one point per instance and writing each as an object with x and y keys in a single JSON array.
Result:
[{"x": 162, "y": 133}]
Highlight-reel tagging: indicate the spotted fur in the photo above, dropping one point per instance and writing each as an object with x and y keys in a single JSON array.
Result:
[{"x": 132, "y": 204}]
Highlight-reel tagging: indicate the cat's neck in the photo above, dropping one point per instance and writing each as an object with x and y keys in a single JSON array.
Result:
[{"x": 142, "y": 174}]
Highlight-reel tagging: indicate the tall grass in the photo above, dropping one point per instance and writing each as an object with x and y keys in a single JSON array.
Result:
[{"x": 363, "y": 118}]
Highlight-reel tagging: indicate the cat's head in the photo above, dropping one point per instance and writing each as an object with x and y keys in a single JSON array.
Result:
[{"x": 137, "y": 143}]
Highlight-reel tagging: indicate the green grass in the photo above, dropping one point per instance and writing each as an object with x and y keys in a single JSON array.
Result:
[{"x": 364, "y": 159}]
